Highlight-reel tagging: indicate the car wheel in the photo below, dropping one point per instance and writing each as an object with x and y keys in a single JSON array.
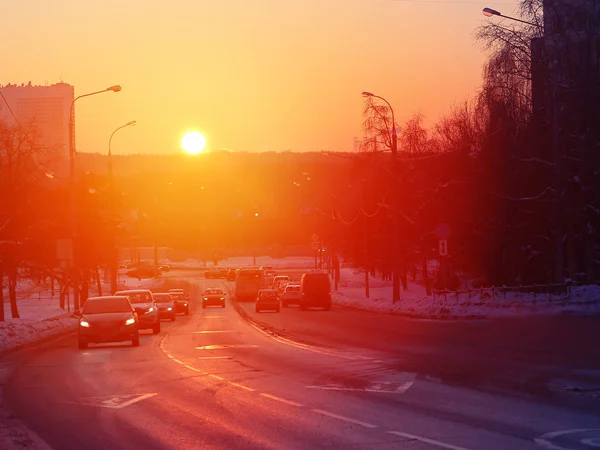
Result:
[
  {"x": 223, "y": 305},
  {"x": 187, "y": 312},
  {"x": 135, "y": 342},
  {"x": 327, "y": 307},
  {"x": 277, "y": 310},
  {"x": 173, "y": 317},
  {"x": 156, "y": 328},
  {"x": 203, "y": 305},
  {"x": 83, "y": 345},
  {"x": 302, "y": 306},
  {"x": 257, "y": 309}
]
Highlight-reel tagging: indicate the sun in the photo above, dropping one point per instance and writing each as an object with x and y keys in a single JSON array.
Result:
[{"x": 193, "y": 142}]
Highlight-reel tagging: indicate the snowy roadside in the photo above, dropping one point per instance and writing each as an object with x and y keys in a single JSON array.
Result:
[{"x": 416, "y": 303}]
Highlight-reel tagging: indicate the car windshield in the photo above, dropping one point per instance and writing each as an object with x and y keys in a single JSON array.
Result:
[
  {"x": 138, "y": 297},
  {"x": 162, "y": 298},
  {"x": 213, "y": 292},
  {"x": 177, "y": 296},
  {"x": 106, "y": 305},
  {"x": 292, "y": 289},
  {"x": 268, "y": 294}
]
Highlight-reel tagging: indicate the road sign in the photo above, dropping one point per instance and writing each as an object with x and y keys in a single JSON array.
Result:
[
  {"x": 315, "y": 237},
  {"x": 443, "y": 231},
  {"x": 443, "y": 247}
]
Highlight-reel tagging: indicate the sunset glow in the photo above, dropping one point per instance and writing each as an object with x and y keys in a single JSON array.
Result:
[{"x": 193, "y": 142}]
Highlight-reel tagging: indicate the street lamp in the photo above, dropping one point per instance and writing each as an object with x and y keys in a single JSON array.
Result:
[
  {"x": 489, "y": 12},
  {"x": 73, "y": 204},
  {"x": 394, "y": 249},
  {"x": 113, "y": 248}
]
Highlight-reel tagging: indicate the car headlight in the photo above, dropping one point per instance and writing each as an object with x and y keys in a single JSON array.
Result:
[
  {"x": 205, "y": 298},
  {"x": 223, "y": 298},
  {"x": 149, "y": 310},
  {"x": 185, "y": 304},
  {"x": 130, "y": 321},
  {"x": 84, "y": 323},
  {"x": 169, "y": 308}
]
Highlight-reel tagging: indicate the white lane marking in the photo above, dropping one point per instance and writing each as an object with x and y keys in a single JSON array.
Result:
[
  {"x": 213, "y": 357},
  {"x": 279, "y": 399},
  {"x": 216, "y": 377},
  {"x": 113, "y": 401},
  {"x": 213, "y": 331},
  {"x": 217, "y": 346},
  {"x": 399, "y": 389},
  {"x": 306, "y": 347},
  {"x": 426, "y": 440},
  {"x": 194, "y": 369},
  {"x": 213, "y": 317},
  {"x": 344, "y": 418},
  {"x": 543, "y": 441},
  {"x": 178, "y": 361},
  {"x": 241, "y": 386}
]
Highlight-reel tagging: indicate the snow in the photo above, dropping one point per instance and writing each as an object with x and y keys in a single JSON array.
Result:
[{"x": 479, "y": 303}]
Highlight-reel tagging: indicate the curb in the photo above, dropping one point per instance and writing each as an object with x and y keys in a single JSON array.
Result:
[{"x": 440, "y": 317}]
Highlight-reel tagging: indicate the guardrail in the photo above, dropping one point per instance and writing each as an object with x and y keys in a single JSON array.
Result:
[{"x": 508, "y": 296}]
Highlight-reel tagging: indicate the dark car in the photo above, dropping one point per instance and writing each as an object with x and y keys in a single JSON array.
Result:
[
  {"x": 222, "y": 272},
  {"x": 182, "y": 303},
  {"x": 315, "y": 290},
  {"x": 164, "y": 268},
  {"x": 291, "y": 295},
  {"x": 213, "y": 296},
  {"x": 108, "y": 319},
  {"x": 267, "y": 299},
  {"x": 231, "y": 274},
  {"x": 146, "y": 309},
  {"x": 166, "y": 306}
]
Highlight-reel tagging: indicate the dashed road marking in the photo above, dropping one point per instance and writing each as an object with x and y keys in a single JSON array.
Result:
[
  {"x": 345, "y": 419},
  {"x": 544, "y": 439},
  {"x": 213, "y": 317},
  {"x": 282, "y": 400},
  {"x": 213, "y": 357},
  {"x": 382, "y": 387},
  {"x": 113, "y": 401},
  {"x": 194, "y": 369},
  {"x": 217, "y": 346},
  {"x": 216, "y": 377},
  {"x": 213, "y": 331},
  {"x": 249, "y": 389},
  {"x": 426, "y": 440}
]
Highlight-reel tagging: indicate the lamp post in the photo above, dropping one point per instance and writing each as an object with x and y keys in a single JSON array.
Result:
[
  {"x": 558, "y": 175},
  {"x": 394, "y": 250},
  {"x": 111, "y": 183},
  {"x": 73, "y": 203}
]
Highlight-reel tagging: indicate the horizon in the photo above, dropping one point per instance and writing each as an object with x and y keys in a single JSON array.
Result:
[{"x": 281, "y": 77}]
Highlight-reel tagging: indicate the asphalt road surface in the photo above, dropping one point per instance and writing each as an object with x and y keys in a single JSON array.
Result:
[{"x": 293, "y": 380}]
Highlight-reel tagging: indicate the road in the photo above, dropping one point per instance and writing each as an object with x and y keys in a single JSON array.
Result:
[{"x": 324, "y": 380}]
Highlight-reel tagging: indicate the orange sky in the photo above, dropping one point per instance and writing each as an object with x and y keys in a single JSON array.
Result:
[{"x": 255, "y": 75}]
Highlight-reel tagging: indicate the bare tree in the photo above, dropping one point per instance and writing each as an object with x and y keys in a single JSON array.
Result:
[
  {"x": 17, "y": 173},
  {"x": 414, "y": 137},
  {"x": 378, "y": 127}
]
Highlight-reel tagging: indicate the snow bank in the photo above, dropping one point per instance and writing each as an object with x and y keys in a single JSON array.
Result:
[{"x": 475, "y": 304}]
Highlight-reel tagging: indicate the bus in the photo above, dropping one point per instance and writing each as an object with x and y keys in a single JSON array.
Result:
[{"x": 248, "y": 281}]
